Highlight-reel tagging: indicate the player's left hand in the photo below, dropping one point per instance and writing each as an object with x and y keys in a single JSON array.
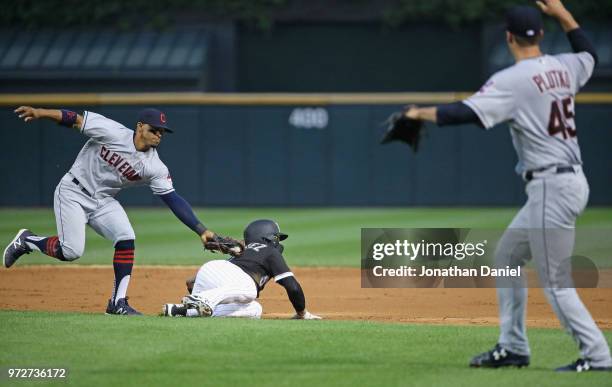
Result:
[
  {"x": 412, "y": 112},
  {"x": 405, "y": 126},
  {"x": 306, "y": 315},
  {"x": 224, "y": 245}
]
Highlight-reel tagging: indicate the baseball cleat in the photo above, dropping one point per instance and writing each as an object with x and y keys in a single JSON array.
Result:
[
  {"x": 17, "y": 248},
  {"x": 499, "y": 357},
  {"x": 192, "y": 301},
  {"x": 121, "y": 307},
  {"x": 174, "y": 310},
  {"x": 581, "y": 365}
]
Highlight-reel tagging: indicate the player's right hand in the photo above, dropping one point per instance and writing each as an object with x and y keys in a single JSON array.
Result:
[
  {"x": 554, "y": 8},
  {"x": 306, "y": 315},
  {"x": 28, "y": 113}
]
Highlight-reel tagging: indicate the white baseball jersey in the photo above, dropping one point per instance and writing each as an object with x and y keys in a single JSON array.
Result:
[
  {"x": 536, "y": 97},
  {"x": 109, "y": 161}
]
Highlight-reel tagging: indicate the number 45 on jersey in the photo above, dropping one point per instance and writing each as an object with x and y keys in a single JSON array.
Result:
[{"x": 561, "y": 118}]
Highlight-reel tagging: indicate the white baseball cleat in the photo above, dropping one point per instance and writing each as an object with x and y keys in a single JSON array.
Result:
[{"x": 192, "y": 301}]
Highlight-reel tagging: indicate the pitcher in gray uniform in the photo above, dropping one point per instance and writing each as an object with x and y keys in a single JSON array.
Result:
[
  {"x": 113, "y": 158},
  {"x": 536, "y": 97}
]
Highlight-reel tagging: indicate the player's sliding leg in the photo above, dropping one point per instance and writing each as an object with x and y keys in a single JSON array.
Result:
[
  {"x": 112, "y": 222},
  {"x": 251, "y": 310},
  {"x": 220, "y": 282},
  {"x": 208, "y": 300}
]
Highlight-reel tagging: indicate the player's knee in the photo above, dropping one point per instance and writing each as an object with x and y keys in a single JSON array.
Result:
[
  {"x": 560, "y": 294},
  {"x": 257, "y": 309},
  {"x": 124, "y": 237},
  {"x": 69, "y": 253}
]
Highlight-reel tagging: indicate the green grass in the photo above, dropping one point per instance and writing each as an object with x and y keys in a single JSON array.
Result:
[
  {"x": 319, "y": 236},
  {"x": 111, "y": 350}
]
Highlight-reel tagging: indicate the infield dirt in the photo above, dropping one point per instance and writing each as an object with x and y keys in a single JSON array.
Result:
[{"x": 334, "y": 293}]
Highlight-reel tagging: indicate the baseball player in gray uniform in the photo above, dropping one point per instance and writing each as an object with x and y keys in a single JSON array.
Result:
[
  {"x": 113, "y": 158},
  {"x": 536, "y": 97}
]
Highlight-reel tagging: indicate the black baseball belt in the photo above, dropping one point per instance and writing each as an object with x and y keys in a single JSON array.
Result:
[
  {"x": 78, "y": 184},
  {"x": 529, "y": 175}
]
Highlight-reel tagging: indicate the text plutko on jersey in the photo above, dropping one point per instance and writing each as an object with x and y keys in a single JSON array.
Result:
[{"x": 551, "y": 80}]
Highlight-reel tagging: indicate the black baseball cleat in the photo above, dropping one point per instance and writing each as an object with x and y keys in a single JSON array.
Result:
[
  {"x": 17, "y": 248},
  {"x": 121, "y": 307},
  {"x": 582, "y": 365},
  {"x": 499, "y": 357}
]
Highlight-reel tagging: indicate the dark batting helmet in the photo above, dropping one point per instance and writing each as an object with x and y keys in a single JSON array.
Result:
[{"x": 264, "y": 231}]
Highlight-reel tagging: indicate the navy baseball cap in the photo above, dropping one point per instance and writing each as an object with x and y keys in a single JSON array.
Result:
[
  {"x": 155, "y": 118},
  {"x": 524, "y": 21}
]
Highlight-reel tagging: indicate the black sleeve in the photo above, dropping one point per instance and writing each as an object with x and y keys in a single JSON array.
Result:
[
  {"x": 456, "y": 113},
  {"x": 294, "y": 292},
  {"x": 277, "y": 264},
  {"x": 581, "y": 43},
  {"x": 183, "y": 211}
]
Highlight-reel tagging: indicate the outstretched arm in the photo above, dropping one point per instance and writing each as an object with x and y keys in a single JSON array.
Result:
[
  {"x": 63, "y": 117},
  {"x": 296, "y": 296},
  {"x": 578, "y": 39},
  {"x": 181, "y": 208},
  {"x": 455, "y": 113}
]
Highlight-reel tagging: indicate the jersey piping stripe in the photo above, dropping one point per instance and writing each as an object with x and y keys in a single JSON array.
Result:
[
  {"x": 59, "y": 195},
  {"x": 550, "y": 284}
]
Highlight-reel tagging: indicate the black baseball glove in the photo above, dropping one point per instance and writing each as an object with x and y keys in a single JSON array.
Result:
[
  {"x": 224, "y": 245},
  {"x": 402, "y": 128}
]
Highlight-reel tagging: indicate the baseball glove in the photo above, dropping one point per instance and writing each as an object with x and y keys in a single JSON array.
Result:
[
  {"x": 224, "y": 245},
  {"x": 402, "y": 128}
]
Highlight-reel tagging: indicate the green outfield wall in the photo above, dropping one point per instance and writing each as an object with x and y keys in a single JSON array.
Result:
[{"x": 295, "y": 150}]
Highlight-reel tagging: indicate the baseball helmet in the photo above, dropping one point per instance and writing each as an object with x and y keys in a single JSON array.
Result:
[{"x": 264, "y": 231}]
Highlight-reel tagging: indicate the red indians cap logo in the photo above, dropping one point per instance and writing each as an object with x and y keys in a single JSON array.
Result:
[{"x": 162, "y": 118}]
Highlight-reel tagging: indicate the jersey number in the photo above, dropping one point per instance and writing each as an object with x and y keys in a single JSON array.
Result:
[
  {"x": 256, "y": 246},
  {"x": 560, "y": 115}
]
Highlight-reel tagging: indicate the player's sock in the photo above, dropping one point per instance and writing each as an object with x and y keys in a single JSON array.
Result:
[
  {"x": 122, "y": 264},
  {"x": 46, "y": 245},
  {"x": 180, "y": 310}
]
